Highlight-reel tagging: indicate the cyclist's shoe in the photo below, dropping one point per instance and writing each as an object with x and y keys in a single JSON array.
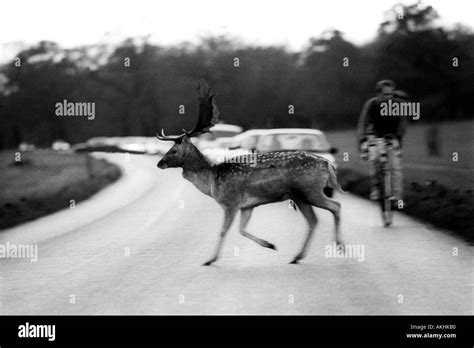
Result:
[{"x": 374, "y": 194}]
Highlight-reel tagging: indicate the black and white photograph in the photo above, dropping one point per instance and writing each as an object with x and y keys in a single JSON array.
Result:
[{"x": 252, "y": 159}]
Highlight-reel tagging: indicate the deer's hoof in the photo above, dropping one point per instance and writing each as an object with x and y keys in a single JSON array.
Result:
[
  {"x": 295, "y": 261},
  {"x": 271, "y": 246},
  {"x": 208, "y": 263}
]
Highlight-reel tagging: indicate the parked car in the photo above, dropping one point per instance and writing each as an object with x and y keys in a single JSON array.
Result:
[
  {"x": 60, "y": 145},
  {"x": 302, "y": 139},
  {"x": 247, "y": 140},
  {"x": 215, "y": 146},
  {"x": 220, "y": 130},
  {"x": 144, "y": 145},
  {"x": 24, "y": 147}
]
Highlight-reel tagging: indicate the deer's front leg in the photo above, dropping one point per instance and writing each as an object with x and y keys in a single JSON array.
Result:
[{"x": 229, "y": 215}]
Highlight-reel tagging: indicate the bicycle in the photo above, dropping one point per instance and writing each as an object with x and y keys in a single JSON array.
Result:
[{"x": 380, "y": 151}]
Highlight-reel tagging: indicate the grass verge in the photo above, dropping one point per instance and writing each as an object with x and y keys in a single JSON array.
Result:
[
  {"x": 38, "y": 183},
  {"x": 450, "y": 209}
]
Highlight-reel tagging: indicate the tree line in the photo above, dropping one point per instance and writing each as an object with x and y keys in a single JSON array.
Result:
[{"x": 139, "y": 87}]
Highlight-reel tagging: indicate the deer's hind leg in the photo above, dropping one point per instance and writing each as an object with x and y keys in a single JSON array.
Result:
[
  {"x": 245, "y": 215},
  {"x": 312, "y": 220},
  {"x": 323, "y": 202}
]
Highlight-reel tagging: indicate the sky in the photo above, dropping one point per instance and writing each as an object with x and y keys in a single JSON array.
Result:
[{"x": 282, "y": 22}]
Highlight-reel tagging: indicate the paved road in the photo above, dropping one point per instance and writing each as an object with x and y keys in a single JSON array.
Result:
[{"x": 137, "y": 248}]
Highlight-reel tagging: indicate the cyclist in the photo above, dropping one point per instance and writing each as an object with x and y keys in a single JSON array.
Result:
[{"x": 373, "y": 123}]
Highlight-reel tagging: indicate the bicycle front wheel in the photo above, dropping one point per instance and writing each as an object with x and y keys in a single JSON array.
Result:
[{"x": 386, "y": 201}]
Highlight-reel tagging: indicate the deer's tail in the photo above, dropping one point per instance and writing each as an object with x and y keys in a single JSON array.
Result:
[{"x": 332, "y": 179}]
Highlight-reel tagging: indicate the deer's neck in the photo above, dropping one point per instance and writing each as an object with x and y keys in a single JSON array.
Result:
[{"x": 198, "y": 170}]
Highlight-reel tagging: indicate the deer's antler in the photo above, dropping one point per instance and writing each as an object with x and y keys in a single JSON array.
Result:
[
  {"x": 208, "y": 114},
  {"x": 165, "y": 137}
]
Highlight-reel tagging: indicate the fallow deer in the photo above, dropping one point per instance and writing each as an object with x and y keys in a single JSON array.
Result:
[{"x": 277, "y": 176}]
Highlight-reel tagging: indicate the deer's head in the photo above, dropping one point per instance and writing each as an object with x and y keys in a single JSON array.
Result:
[
  {"x": 176, "y": 156},
  {"x": 183, "y": 151}
]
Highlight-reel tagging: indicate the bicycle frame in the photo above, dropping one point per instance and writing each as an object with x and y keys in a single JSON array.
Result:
[{"x": 381, "y": 151}]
